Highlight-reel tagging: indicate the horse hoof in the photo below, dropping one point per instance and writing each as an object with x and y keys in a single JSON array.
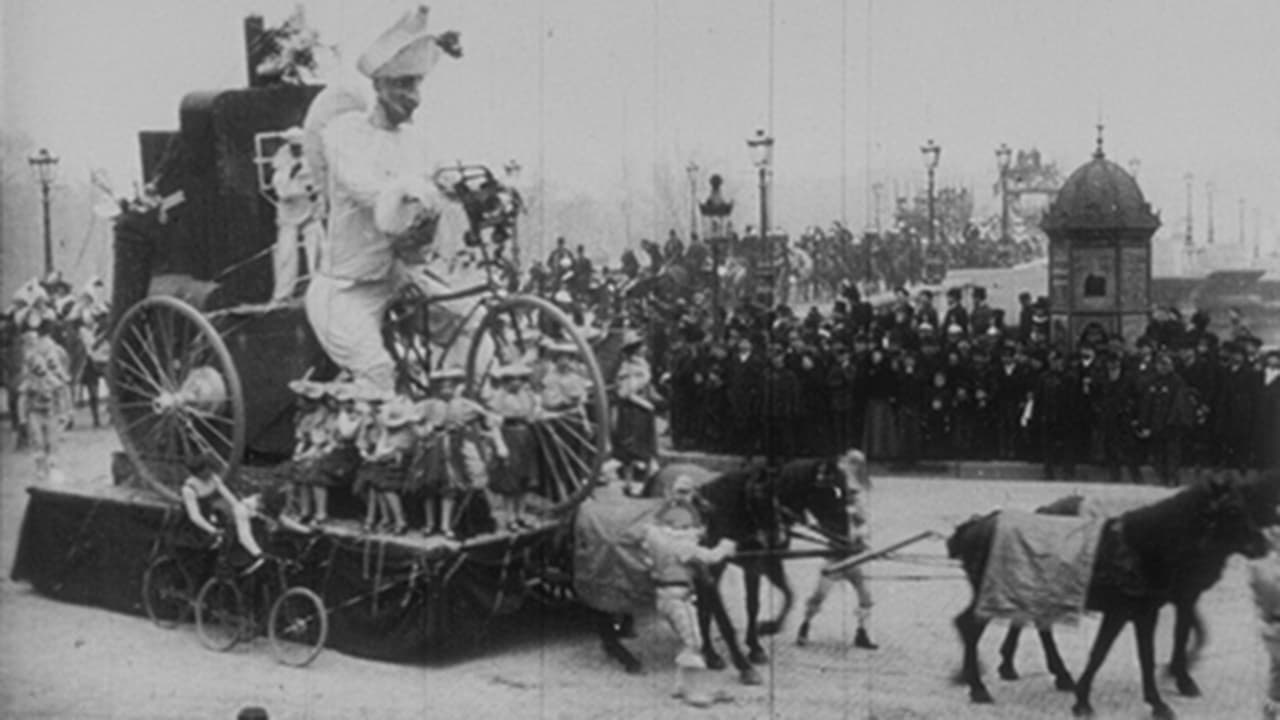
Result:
[
  {"x": 634, "y": 668},
  {"x": 749, "y": 676},
  {"x": 1188, "y": 687},
  {"x": 1163, "y": 712},
  {"x": 770, "y": 627},
  {"x": 1082, "y": 710},
  {"x": 1007, "y": 672},
  {"x": 714, "y": 661},
  {"x": 1064, "y": 683},
  {"x": 981, "y": 696},
  {"x": 757, "y": 657}
]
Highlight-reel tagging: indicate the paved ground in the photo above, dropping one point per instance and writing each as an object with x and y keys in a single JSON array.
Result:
[{"x": 65, "y": 661}]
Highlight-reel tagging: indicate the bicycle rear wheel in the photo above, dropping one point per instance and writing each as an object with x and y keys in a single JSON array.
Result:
[
  {"x": 572, "y": 445},
  {"x": 167, "y": 592},
  {"x": 298, "y": 627},
  {"x": 220, "y": 614}
]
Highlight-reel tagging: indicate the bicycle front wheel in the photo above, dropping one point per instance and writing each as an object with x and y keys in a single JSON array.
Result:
[
  {"x": 167, "y": 592},
  {"x": 220, "y": 614},
  {"x": 571, "y": 445},
  {"x": 298, "y": 627}
]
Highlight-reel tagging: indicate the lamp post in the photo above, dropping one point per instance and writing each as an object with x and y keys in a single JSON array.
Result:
[
  {"x": 931, "y": 152},
  {"x": 512, "y": 170},
  {"x": 45, "y": 167},
  {"x": 715, "y": 210},
  {"x": 1003, "y": 157},
  {"x": 761, "y": 147},
  {"x": 1208, "y": 191},
  {"x": 1189, "y": 178},
  {"x": 692, "y": 169}
]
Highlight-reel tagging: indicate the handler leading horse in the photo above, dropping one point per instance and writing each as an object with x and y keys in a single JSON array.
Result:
[{"x": 755, "y": 508}]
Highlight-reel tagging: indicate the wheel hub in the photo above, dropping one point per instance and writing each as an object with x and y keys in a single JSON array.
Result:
[{"x": 203, "y": 389}]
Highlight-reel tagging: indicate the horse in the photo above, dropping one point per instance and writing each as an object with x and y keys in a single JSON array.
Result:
[
  {"x": 1186, "y": 622},
  {"x": 1144, "y": 558},
  {"x": 756, "y": 508}
]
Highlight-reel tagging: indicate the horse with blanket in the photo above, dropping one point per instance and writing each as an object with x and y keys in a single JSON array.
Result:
[
  {"x": 1186, "y": 619},
  {"x": 755, "y": 508},
  {"x": 1126, "y": 567}
]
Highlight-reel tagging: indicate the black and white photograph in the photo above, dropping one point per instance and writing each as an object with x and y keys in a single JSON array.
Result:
[{"x": 560, "y": 359}]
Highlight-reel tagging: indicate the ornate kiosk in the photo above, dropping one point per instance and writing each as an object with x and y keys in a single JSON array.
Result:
[{"x": 1099, "y": 229}]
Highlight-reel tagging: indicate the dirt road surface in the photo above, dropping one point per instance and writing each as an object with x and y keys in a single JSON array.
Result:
[{"x": 66, "y": 661}]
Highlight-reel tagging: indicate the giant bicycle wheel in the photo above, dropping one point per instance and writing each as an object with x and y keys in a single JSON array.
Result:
[
  {"x": 220, "y": 614},
  {"x": 298, "y": 627},
  {"x": 167, "y": 592},
  {"x": 174, "y": 392},
  {"x": 572, "y": 444}
]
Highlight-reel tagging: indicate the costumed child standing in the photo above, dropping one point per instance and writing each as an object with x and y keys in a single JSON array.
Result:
[
  {"x": 515, "y": 402},
  {"x": 42, "y": 395},
  {"x": 454, "y": 460},
  {"x": 673, "y": 549},
  {"x": 311, "y": 440},
  {"x": 853, "y": 466},
  {"x": 388, "y": 450}
]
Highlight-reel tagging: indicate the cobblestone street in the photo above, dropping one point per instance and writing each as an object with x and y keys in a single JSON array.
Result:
[{"x": 67, "y": 661}]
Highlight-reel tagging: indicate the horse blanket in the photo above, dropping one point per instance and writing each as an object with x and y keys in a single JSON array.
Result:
[
  {"x": 610, "y": 572},
  {"x": 1039, "y": 567}
]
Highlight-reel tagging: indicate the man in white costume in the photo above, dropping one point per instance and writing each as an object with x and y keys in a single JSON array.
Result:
[{"x": 377, "y": 167}]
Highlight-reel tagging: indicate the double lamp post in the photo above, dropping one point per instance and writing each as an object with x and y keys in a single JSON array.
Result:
[{"x": 45, "y": 167}]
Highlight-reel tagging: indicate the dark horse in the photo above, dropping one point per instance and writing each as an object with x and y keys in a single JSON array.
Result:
[
  {"x": 1145, "y": 558},
  {"x": 1186, "y": 621},
  {"x": 755, "y": 508}
]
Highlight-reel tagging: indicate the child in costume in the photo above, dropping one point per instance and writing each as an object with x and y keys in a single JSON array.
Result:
[
  {"x": 515, "y": 402},
  {"x": 42, "y": 397},
  {"x": 387, "y": 450},
  {"x": 673, "y": 549},
  {"x": 1264, "y": 580},
  {"x": 312, "y": 438},
  {"x": 206, "y": 498}
]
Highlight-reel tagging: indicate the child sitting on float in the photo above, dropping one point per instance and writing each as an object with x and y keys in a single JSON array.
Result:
[
  {"x": 206, "y": 499},
  {"x": 458, "y": 440},
  {"x": 518, "y": 406},
  {"x": 383, "y": 452}
]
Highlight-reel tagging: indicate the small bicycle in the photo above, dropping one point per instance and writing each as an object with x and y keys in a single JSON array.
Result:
[
  {"x": 230, "y": 608},
  {"x": 169, "y": 582}
]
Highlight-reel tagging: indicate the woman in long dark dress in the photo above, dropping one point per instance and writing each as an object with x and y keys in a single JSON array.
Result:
[
  {"x": 635, "y": 436},
  {"x": 881, "y": 429}
]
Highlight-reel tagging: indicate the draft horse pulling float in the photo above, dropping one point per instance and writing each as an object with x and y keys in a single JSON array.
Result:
[
  {"x": 199, "y": 364},
  {"x": 1161, "y": 553}
]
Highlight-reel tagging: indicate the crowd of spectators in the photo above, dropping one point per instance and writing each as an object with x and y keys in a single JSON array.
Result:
[{"x": 911, "y": 382}]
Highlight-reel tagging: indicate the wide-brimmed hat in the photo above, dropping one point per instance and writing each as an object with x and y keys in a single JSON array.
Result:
[
  {"x": 399, "y": 412},
  {"x": 308, "y": 389},
  {"x": 561, "y": 348},
  {"x": 631, "y": 338},
  {"x": 403, "y": 49},
  {"x": 449, "y": 374},
  {"x": 516, "y": 369}
]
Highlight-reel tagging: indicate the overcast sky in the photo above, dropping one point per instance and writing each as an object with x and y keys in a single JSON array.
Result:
[{"x": 593, "y": 94}]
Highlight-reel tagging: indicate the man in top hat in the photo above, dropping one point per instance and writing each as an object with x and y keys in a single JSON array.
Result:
[
  {"x": 297, "y": 220},
  {"x": 382, "y": 207}
]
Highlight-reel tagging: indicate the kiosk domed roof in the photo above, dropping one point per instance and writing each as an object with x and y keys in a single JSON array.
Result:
[{"x": 1100, "y": 195}]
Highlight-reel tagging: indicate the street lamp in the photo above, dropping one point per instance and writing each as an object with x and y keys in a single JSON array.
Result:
[
  {"x": 1189, "y": 178},
  {"x": 45, "y": 167},
  {"x": 692, "y": 169},
  {"x": 931, "y": 152},
  {"x": 716, "y": 212},
  {"x": 1003, "y": 158},
  {"x": 761, "y": 147},
  {"x": 512, "y": 170}
]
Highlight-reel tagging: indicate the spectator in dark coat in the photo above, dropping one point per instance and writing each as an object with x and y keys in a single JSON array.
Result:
[
  {"x": 1164, "y": 414},
  {"x": 982, "y": 317},
  {"x": 939, "y": 399},
  {"x": 880, "y": 431},
  {"x": 912, "y": 387},
  {"x": 1012, "y": 386},
  {"x": 744, "y": 384},
  {"x": 1113, "y": 407},
  {"x": 1235, "y": 408},
  {"x": 1267, "y": 443},
  {"x": 781, "y": 407},
  {"x": 1054, "y": 416},
  {"x": 956, "y": 314}
]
